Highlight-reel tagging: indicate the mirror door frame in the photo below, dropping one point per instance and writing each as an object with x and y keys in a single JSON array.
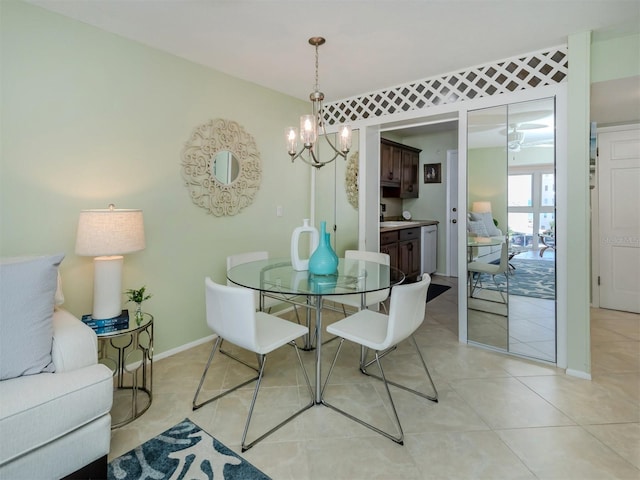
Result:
[{"x": 369, "y": 196}]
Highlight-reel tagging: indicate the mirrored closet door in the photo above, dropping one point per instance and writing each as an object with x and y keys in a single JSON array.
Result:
[{"x": 511, "y": 281}]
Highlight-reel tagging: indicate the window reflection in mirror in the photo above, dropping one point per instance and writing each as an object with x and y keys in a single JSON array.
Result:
[{"x": 225, "y": 167}]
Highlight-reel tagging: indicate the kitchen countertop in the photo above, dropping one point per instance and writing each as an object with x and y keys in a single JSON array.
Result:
[{"x": 401, "y": 224}]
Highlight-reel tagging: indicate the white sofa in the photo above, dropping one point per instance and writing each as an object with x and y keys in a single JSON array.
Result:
[
  {"x": 54, "y": 423},
  {"x": 480, "y": 226}
]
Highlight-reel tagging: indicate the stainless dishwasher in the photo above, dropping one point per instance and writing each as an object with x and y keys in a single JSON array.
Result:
[{"x": 429, "y": 248}]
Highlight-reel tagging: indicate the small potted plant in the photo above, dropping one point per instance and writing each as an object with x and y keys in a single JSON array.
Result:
[{"x": 137, "y": 296}]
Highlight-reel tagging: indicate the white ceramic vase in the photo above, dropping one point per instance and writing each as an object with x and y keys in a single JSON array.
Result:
[{"x": 308, "y": 232}]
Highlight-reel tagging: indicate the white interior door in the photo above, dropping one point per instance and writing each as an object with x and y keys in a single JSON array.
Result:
[
  {"x": 619, "y": 219},
  {"x": 452, "y": 213}
]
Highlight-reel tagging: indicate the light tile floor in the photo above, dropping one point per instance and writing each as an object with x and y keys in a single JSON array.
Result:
[{"x": 499, "y": 417}]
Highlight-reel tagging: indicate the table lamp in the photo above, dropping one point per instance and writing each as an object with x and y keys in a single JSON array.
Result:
[
  {"x": 107, "y": 234},
  {"x": 481, "y": 207}
]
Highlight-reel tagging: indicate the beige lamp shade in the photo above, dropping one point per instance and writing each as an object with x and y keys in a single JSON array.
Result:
[
  {"x": 110, "y": 232},
  {"x": 107, "y": 235},
  {"x": 481, "y": 207}
]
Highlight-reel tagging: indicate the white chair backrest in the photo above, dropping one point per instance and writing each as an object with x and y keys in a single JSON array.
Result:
[
  {"x": 230, "y": 313},
  {"x": 368, "y": 256},
  {"x": 504, "y": 258},
  {"x": 379, "y": 296},
  {"x": 239, "y": 259},
  {"x": 406, "y": 312}
]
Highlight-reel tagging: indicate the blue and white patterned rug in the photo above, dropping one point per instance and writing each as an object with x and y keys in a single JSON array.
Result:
[
  {"x": 531, "y": 278},
  {"x": 186, "y": 452}
]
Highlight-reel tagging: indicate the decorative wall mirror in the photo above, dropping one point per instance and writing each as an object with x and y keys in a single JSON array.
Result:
[
  {"x": 511, "y": 204},
  {"x": 221, "y": 167},
  {"x": 351, "y": 180},
  {"x": 225, "y": 167}
]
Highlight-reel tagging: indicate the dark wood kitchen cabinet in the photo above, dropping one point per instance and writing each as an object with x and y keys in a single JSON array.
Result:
[
  {"x": 390, "y": 164},
  {"x": 409, "y": 253},
  {"x": 389, "y": 245},
  {"x": 403, "y": 248},
  {"x": 399, "y": 169},
  {"x": 409, "y": 180}
]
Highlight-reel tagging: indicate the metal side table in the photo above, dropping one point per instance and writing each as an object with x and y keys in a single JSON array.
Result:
[{"x": 129, "y": 354}]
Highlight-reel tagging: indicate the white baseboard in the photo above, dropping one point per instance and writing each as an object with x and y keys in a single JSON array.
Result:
[
  {"x": 578, "y": 374},
  {"x": 184, "y": 347}
]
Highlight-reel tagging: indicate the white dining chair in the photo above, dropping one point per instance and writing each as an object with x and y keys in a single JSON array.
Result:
[
  {"x": 476, "y": 269},
  {"x": 245, "y": 257},
  {"x": 232, "y": 317},
  {"x": 268, "y": 302},
  {"x": 372, "y": 298},
  {"x": 382, "y": 333}
]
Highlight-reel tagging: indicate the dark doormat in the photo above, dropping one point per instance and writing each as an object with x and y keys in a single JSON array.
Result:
[{"x": 435, "y": 290}]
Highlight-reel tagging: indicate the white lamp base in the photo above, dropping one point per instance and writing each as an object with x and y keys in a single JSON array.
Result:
[{"x": 107, "y": 286}]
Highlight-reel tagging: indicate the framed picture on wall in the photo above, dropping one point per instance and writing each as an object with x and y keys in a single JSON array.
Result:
[{"x": 432, "y": 173}]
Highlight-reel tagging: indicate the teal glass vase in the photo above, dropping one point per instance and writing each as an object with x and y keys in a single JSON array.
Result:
[{"x": 324, "y": 260}]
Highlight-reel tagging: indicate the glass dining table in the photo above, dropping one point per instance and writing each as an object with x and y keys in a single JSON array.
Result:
[{"x": 277, "y": 279}]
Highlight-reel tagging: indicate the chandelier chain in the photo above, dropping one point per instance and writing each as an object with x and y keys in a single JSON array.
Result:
[{"x": 317, "y": 87}]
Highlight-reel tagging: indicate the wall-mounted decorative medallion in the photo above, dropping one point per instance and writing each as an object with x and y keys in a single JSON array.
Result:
[
  {"x": 221, "y": 167},
  {"x": 351, "y": 180}
]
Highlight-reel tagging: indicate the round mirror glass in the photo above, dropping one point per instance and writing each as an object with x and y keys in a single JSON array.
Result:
[{"x": 225, "y": 167}]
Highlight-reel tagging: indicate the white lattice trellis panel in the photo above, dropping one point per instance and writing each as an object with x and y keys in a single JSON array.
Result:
[{"x": 524, "y": 72}]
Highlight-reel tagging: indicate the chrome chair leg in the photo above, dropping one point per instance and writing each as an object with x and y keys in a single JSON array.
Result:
[
  {"x": 397, "y": 439},
  {"x": 495, "y": 282},
  {"x": 263, "y": 359},
  {"x": 237, "y": 359},
  {"x": 216, "y": 346},
  {"x": 433, "y": 398},
  {"x": 498, "y": 287}
]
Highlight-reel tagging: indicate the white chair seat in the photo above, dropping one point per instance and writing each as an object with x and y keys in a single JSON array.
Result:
[
  {"x": 478, "y": 268},
  {"x": 482, "y": 267},
  {"x": 273, "y": 332},
  {"x": 367, "y": 328}
]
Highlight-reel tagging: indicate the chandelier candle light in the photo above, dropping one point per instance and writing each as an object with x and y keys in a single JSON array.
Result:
[{"x": 313, "y": 125}]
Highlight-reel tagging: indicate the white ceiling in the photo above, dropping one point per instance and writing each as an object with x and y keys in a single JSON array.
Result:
[{"x": 371, "y": 44}]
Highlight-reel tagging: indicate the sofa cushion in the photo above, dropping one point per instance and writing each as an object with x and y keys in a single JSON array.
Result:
[
  {"x": 487, "y": 218},
  {"x": 27, "y": 296},
  {"x": 478, "y": 228},
  {"x": 37, "y": 409}
]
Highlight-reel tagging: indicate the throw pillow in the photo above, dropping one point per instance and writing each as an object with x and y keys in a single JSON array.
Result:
[
  {"x": 487, "y": 218},
  {"x": 27, "y": 296},
  {"x": 477, "y": 228}
]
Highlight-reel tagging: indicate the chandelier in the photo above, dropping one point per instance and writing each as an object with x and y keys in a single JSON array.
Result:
[{"x": 313, "y": 125}]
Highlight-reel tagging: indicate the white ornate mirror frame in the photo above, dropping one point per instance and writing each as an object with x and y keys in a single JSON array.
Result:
[
  {"x": 206, "y": 190},
  {"x": 351, "y": 180}
]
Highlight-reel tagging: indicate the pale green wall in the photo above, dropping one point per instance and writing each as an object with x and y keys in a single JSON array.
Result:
[
  {"x": 614, "y": 57},
  {"x": 592, "y": 59},
  {"x": 578, "y": 218},
  {"x": 90, "y": 118}
]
